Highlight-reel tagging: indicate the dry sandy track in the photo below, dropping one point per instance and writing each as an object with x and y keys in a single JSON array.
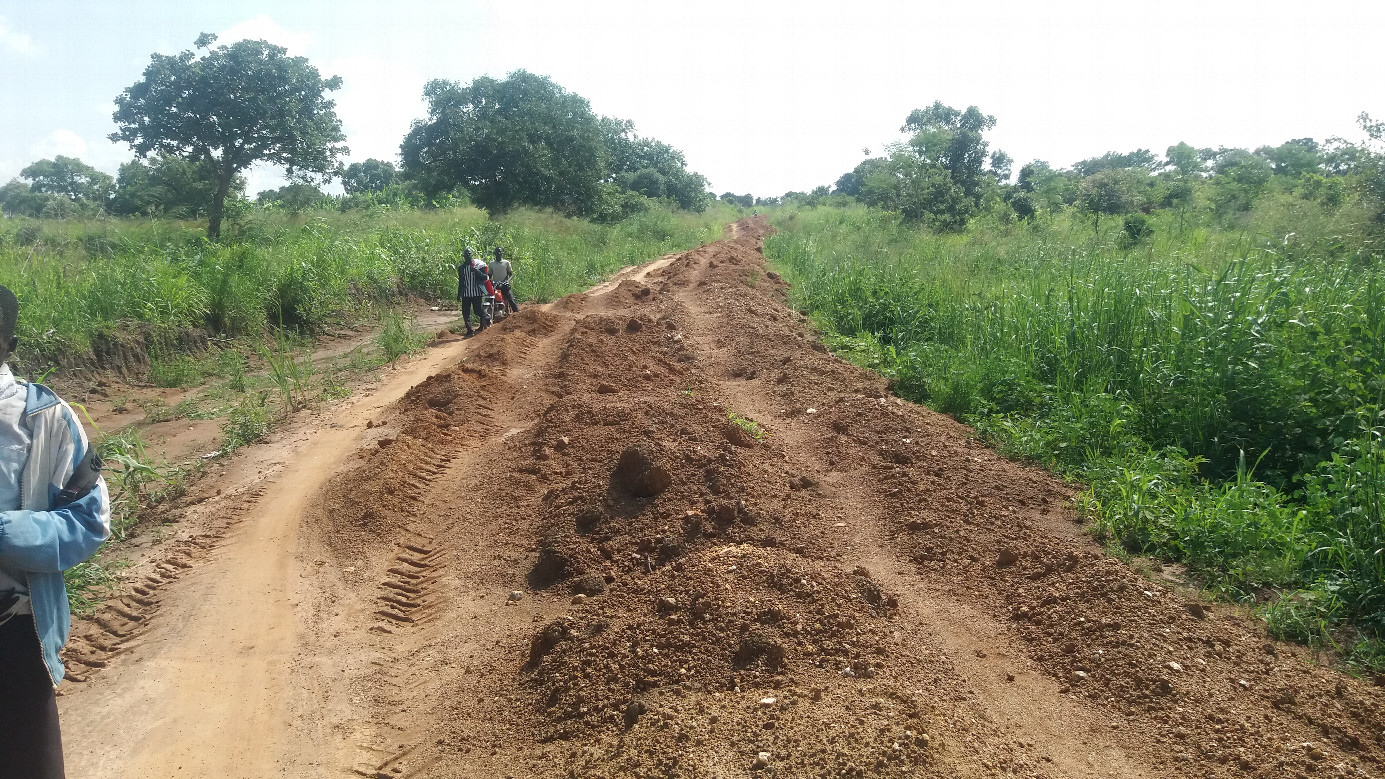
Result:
[{"x": 864, "y": 592}]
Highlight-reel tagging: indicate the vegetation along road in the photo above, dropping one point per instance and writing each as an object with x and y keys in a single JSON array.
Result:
[{"x": 656, "y": 529}]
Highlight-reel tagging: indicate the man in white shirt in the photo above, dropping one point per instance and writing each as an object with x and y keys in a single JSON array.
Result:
[{"x": 501, "y": 276}]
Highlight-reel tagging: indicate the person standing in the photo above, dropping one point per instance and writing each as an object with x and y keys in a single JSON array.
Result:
[
  {"x": 54, "y": 513},
  {"x": 472, "y": 284},
  {"x": 501, "y": 276}
]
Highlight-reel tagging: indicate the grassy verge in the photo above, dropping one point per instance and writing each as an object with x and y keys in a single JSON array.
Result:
[
  {"x": 83, "y": 283},
  {"x": 1219, "y": 389}
]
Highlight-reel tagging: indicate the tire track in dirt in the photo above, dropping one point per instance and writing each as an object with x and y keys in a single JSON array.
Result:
[{"x": 865, "y": 591}]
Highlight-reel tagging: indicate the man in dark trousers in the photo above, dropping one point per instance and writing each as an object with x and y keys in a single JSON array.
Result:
[
  {"x": 472, "y": 284},
  {"x": 54, "y": 513},
  {"x": 502, "y": 275}
]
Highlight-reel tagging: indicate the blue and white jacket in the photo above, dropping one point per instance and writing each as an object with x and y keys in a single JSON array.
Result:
[{"x": 43, "y": 542}]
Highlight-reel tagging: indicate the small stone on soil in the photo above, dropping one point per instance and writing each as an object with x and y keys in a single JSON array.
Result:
[
  {"x": 761, "y": 761},
  {"x": 515, "y": 595}
]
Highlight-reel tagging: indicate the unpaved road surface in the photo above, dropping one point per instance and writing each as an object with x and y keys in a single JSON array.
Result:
[{"x": 842, "y": 581}]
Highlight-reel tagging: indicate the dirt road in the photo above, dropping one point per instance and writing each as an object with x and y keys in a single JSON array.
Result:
[{"x": 656, "y": 530}]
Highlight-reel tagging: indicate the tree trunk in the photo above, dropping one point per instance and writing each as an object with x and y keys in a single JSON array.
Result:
[{"x": 223, "y": 186}]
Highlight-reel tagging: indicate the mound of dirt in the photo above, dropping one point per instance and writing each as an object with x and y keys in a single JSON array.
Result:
[{"x": 736, "y": 643}]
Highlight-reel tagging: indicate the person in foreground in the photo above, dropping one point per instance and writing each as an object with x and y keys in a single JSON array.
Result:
[
  {"x": 473, "y": 282},
  {"x": 54, "y": 513}
]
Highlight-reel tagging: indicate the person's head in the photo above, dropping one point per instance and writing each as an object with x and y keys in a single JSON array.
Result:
[
  {"x": 466, "y": 253},
  {"x": 9, "y": 321},
  {"x": 497, "y": 253}
]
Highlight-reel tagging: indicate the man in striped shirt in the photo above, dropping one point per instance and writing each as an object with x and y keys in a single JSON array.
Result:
[{"x": 473, "y": 283}]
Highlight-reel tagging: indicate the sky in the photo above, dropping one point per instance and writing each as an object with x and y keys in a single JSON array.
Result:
[{"x": 763, "y": 97}]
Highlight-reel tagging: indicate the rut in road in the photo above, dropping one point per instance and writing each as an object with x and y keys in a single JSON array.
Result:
[{"x": 727, "y": 543}]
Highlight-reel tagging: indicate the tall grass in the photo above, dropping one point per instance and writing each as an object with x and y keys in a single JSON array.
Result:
[
  {"x": 1219, "y": 388},
  {"x": 79, "y": 282}
]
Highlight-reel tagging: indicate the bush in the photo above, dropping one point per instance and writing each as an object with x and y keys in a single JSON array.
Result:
[
  {"x": 1219, "y": 396},
  {"x": 245, "y": 424}
]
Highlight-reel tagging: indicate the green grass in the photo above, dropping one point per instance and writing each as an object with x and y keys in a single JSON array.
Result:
[
  {"x": 80, "y": 283},
  {"x": 1218, "y": 387},
  {"x": 750, "y": 426},
  {"x": 398, "y": 336}
]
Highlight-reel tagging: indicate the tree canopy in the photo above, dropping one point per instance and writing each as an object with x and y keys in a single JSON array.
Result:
[
  {"x": 70, "y": 178},
  {"x": 230, "y": 107},
  {"x": 60, "y": 187},
  {"x": 370, "y": 176},
  {"x": 939, "y": 176},
  {"x": 525, "y": 140}
]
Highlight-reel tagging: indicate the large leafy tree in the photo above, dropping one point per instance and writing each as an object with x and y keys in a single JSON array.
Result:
[
  {"x": 294, "y": 198},
  {"x": 230, "y": 107},
  {"x": 1113, "y": 191},
  {"x": 953, "y": 140},
  {"x": 919, "y": 191},
  {"x": 1240, "y": 179},
  {"x": 370, "y": 176},
  {"x": 850, "y": 183},
  {"x": 651, "y": 167},
  {"x": 521, "y": 141},
  {"x": 1293, "y": 159},
  {"x": 69, "y": 177},
  {"x": 939, "y": 176}
]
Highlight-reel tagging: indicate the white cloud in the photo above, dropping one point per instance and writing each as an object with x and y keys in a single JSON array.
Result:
[
  {"x": 14, "y": 40},
  {"x": 378, "y": 100},
  {"x": 264, "y": 28},
  {"x": 64, "y": 142}
]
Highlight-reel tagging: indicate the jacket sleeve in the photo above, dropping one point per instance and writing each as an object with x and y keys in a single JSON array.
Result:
[{"x": 55, "y": 540}]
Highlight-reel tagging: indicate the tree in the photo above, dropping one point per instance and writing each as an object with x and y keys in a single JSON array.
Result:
[
  {"x": 1112, "y": 191},
  {"x": 71, "y": 178},
  {"x": 521, "y": 141},
  {"x": 17, "y": 198},
  {"x": 370, "y": 176},
  {"x": 648, "y": 182},
  {"x": 741, "y": 201},
  {"x": 168, "y": 185},
  {"x": 919, "y": 191},
  {"x": 1239, "y": 178},
  {"x": 646, "y": 165},
  {"x": 1143, "y": 159},
  {"x": 952, "y": 140},
  {"x": 294, "y": 197},
  {"x": 1293, "y": 159},
  {"x": 233, "y": 106},
  {"x": 1000, "y": 166},
  {"x": 1187, "y": 160},
  {"x": 850, "y": 182}
]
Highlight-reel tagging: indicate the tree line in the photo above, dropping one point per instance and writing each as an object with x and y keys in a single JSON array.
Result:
[
  {"x": 944, "y": 174},
  {"x": 198, "y": 119}
]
